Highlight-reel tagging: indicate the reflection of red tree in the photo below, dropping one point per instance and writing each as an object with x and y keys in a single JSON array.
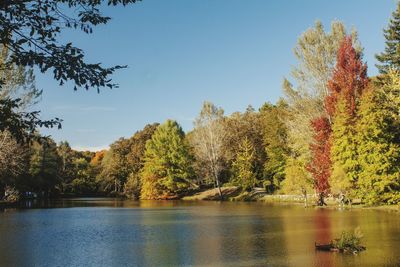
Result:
[
  {"x": 323, "y": 227},
  {"x": 323, "y": 235}
]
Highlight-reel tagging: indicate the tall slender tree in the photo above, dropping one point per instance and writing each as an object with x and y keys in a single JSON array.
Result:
[
  {"x": 348, "y": 81},
  {"x": 346, "y": 88},
  {"x": 320, "y": 165},
  {"x": 45, "y": 164},
  {"x": 244, "y": 173},
  {"x": 275, "y": 143},
  {"x": 390, "y": 57},
  {"x": 208, "y": 140}
]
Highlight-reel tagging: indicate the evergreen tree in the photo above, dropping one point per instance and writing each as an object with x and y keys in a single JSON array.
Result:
[
  {"x": 275, "y": 143},
  {"x": 167, "y": 167},
  {"x": 251, "y": 125},
  {"x": 67, "y": 170},
  {"x": 343, "y": 152},
  {"x": 391, "y": 87},
  {"x": 243, "y": 166},
  {"x": 390, "y": 58},
  {"x": 45, "y": 164},
  {"x": 379, "y": 150},
  {"x": 135, "y": 159},
  {"x": 115, "y": 167},
  {"x": 348, "y": 82},
  {"x": 138, "y": 146}
]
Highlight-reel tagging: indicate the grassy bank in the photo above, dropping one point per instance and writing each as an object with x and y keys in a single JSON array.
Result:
[
  {"x": 233, "y": 193},
  {"x": 213, "y": 194}
]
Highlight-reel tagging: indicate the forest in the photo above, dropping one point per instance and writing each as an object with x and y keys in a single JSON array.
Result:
[{"x": 334, "y": 132}]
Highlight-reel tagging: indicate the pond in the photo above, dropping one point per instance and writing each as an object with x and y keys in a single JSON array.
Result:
[{"x": 110, "y": 232}]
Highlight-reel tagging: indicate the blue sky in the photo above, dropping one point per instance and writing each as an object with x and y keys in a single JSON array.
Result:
[{"x": 182, "y": 52}]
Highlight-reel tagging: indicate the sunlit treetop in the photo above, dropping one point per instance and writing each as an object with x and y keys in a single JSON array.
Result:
[
  {"x": 390, "y": 57},
  {"x": 349, "y": 78}
]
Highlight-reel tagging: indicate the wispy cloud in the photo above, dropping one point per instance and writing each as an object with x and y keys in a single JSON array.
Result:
[
  {"x": 85, "y": 109},
  {"x": 90, "y": 148}
]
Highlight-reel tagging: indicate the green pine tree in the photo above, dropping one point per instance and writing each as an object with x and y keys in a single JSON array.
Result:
[
  {"x": 343, "y": 151},
  {"x": 243, "y": 166},
  {"x": 167, "y": 167},
  {"x": 45, "y": 165},
  {"x": 390, "y": 58},
  {"x": 379, "y": 149},
  {"x": 275, "y": 143}
]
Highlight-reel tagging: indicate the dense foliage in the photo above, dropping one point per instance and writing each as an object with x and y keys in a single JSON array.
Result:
[
  {"x": 167, "y": 170},
  {"x": 334, "y": 148},
  {"x": 335, "y": 133},
  {"x": 349, "y": 242},
  {"x": 320, "y": 165},
  {"x": 378, "y": 133},
  {"x": 243, "y": 166}
]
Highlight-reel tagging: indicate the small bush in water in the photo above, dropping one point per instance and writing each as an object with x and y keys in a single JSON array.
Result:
[{"x": 349, "y": 241}]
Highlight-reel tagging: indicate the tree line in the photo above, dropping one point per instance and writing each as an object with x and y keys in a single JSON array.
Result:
[{"x": 335, "y": 131}]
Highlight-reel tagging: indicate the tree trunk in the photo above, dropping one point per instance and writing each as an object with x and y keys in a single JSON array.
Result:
[
  {"x": 218, "y": 187},
  {"x": 305, "y": 198},
  {"x": 2, "y": 193},
  {"x": 341, "y": 200},
  {"x": 321, "y": 201}
]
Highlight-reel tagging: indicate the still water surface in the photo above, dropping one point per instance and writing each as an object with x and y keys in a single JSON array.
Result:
[{"x": 109, "y": 232}]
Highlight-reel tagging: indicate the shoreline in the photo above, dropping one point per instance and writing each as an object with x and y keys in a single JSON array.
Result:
[{"x": 234, "y": 194}]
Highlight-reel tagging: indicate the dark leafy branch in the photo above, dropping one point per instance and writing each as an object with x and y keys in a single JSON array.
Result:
[
  {"x": 22, "y": 124},
  {"x": 30, "y": 29}
]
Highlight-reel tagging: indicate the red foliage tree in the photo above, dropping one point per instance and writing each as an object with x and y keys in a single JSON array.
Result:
[
  {"x": 348, "y": 80},
  {"x": 320, "y": 165}
]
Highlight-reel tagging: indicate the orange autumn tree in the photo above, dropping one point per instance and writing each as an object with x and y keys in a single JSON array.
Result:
[
  {"x": 348, "y": 81},
  {"x": 333, "y": 146}
]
